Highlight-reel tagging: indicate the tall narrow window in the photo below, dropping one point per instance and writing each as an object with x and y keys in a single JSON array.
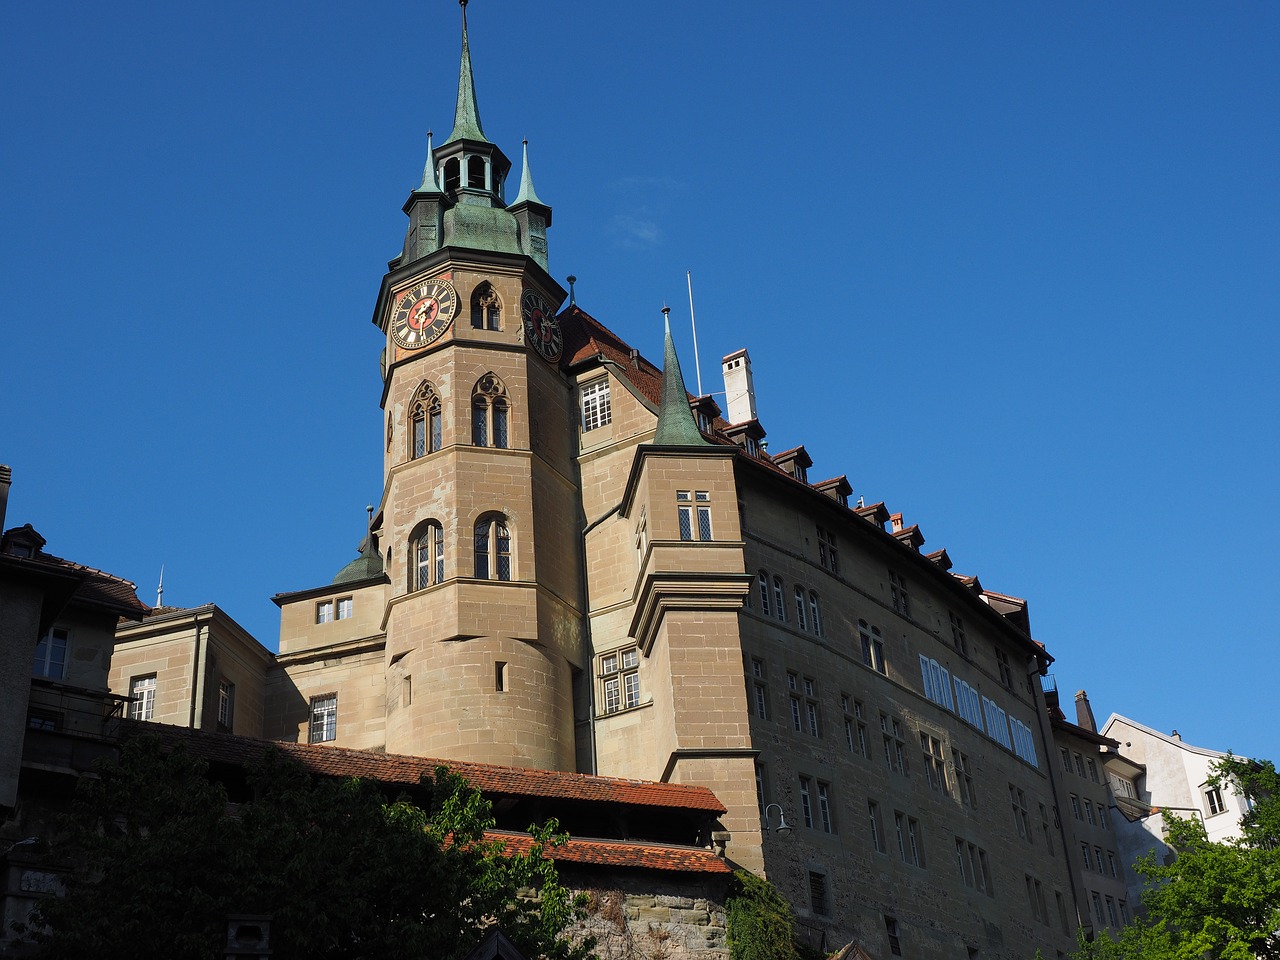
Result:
[
  {"x": 806, "y": 805},
  {"x": 51, "y": 655},
  {"x": 490, "y": 413},
  {"x": 693, "y": 509},
  {"x": 595, "y": 404},
  {"x": 324, "y": 719},
  {"x": 426, "y": 564},
  {"x": 492, "y": 548},
  {"x": 226, "y": 704},
  {"x": 872, "y": 647},
  {"x": 426, "y": 425},
  {"x": 815, "y": 614},
  {"x": 891, "y": 931},
  {"x": 760, "y": 688},
  {"x": 801, "y": 616},
  {"x": 958, "y": 638},
  {"x": 476, "y": 173},
  {"x": 818, "y": 893},
  {"x": 898, "y": 594},
  {"x": 452, "y": 174},
  {"x": 142, "y": 696},
  {"x": 877, "y": 832},
  {"x": 486, "y": 308},
  {"x": 764, "y": 593},
  {"x": 824, "y": 807},
  {"x": 779, "y": 607},
  {"x": 828, "y": 556}
]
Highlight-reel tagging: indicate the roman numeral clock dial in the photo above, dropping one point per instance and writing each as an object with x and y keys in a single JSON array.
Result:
[
  {"x": 423, "y": 313},
  {"x": 541, "y": 329}
]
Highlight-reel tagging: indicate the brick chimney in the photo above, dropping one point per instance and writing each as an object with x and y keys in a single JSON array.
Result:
[{"x": 1084, "y": 712}]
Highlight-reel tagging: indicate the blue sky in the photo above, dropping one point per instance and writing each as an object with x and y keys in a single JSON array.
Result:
[{"x": 1012, "y": 267}]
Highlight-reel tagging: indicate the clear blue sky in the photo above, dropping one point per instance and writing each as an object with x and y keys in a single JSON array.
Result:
[{"x": 1013, "y": 267}]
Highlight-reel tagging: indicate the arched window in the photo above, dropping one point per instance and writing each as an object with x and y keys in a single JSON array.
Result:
[
  {"x": 426, "y": 556},
  {"x": 490, "y": 413},
  {"x": 764, "y": 593},
  {"x": 475, "y": 172},
  {"x": 486, "y": 308},
  {"x": 779, "y": 605},
  {"x": 800, "y": 612},
  {"x": 493, "y": 548},
  {"x": 815, "y": 614},
  {"x": 452, "y": 174},
  {"x": 426, "y": 425}
]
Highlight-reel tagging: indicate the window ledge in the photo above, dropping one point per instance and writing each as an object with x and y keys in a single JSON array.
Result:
[{"x": 624, "y": 710}]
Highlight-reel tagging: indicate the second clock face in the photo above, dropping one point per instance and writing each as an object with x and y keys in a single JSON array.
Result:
[
  {"x": 541, "y": 329},
  {"x": 423, "y": 313}
]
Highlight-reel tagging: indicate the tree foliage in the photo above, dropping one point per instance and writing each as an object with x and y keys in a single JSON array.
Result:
[
  {"x": 1219, "y": 900},
  {"x": 759, "y": 922},
  {"x": 159, "y": 860}
]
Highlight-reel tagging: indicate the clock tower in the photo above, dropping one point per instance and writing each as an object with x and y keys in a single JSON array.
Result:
[{"x": 479, "y": 517}]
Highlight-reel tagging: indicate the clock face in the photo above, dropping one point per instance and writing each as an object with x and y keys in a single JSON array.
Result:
[
  {"x": 423, "y": 313},
  {"x": 541, "y": 329}
]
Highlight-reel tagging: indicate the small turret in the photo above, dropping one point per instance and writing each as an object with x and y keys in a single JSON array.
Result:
[{"x": 532, "y": 215}]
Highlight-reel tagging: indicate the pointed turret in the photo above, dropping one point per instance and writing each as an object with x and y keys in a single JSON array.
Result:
[
  {"x": 676, "y": 426},
  {"x": 532, "y": 215},
  {"x": 425, "y": 207},
  {"x": 466, "y": 115}
]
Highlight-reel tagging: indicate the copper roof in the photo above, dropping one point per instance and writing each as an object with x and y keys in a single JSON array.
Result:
[
  {"x": 489, "y": 779},
  {"x": 618, "y": 853}
]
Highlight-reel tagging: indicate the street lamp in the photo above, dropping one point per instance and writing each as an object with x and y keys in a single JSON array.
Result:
[
  {"x": 783, "y": 827},
  {"x": 19, "y": 843}
]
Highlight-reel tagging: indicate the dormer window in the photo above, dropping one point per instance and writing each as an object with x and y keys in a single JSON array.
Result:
[
  {"x": 476, "y": 174},
  {"x": 753, "y": 446}
]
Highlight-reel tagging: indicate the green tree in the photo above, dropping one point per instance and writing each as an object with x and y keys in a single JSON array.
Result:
[
  {"x": 159, "y": 860},
  {"x": 1219, "y": 900}
]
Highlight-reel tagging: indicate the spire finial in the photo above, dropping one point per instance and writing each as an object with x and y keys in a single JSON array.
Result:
[
  {"x": 429, "y": 183},
  {"x": 466, "y": 115},
  {"x": 160, "y": 588},
  {"x": 572, "y": 280},
  {"x": 676, "y": 426},
  {"x": 527, "y": 194}
]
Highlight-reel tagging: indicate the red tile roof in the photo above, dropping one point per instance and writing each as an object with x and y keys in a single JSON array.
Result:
[
  {"x": 96, "y": 588},
  {"x": 489, "y": 779},
  {"x": 619, "y": 853}
]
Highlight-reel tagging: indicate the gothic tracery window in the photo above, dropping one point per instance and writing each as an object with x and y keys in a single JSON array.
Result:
[
  {"x": 490, "y": 413},
  {"x": 426, "y": 423},
  {"x": 486, "y": 308}
]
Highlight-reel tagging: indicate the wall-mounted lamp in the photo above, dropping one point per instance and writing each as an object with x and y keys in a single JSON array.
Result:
[{"x": 783, "y": 827}]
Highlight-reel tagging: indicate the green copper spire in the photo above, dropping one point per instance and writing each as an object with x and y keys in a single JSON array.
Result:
[
  {"x": 429, "y": 183},
  {"x": 527, "y": 194},
  {"x": 466, "y": 115},
  {"x": 676, "y": 426}
]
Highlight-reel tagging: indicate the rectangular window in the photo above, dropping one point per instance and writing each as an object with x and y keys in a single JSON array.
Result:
[
  {"x": 1111, "y": 912},
  {"x": 891, "y": 932},
  {"x": 1111, "y": 863},
  {"x": 797, "y": 721},
  {"x": 226, "y": 704},
  {"x": 916, "y": 841},
  {"x": 901, "y": 600},
  {"x": 1097, "y": 907},
  {"x": 324, "y": 719},
  {"x": 344, "y": 608},
  {"x": 964, "y": 779},
  {"x": 997, "y": 723},
  {"x": 324, "y": 611},
  {"x": 895, "y": 757},
  {"x": 1093, "y": 771},
  {"x": 1018, "y": 801},
  {"x": 872, "y": 647},
  {"x": 877, "y": 832},
  {"x": 828, "y": 557},
  {"x": 935, "y": 767},
  {"x": 937, "y": 682},
  {"x": 760, "y": 793},
  {"x": 806, "y": 805},
  {"x": 1213, "y": 801},
  {"x": 1006, "y": 671},
  {"x": 51, "y": 655},
  {"x": 1079, "y": 764},
  {"x": 818, "y": 893},
  {"x": 824, "y": 807},
  {"x": 1024, "y": 743},
  {"x": 595, "y": 405},
  {"x": 1076, "y": 810},
  {"x": 1066, "y": 759},
  {"x": 142, "y": 697},
  {"x": 1084, "y": 855},
  {"x": 500, "y": 668},
  {"x": 968, "y": 703},
  {"x": 694, "y": 510},
  {"x": 620, "y": 679},
  {"x": 1088, "y": 813},
  {"x": 1102, "y": 817},
  {"x": 811, "y": 713},
  {"x": 761, "y": 699}
]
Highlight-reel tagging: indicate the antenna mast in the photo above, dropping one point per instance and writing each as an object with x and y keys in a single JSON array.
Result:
[{"x": 697, "y": 365}]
